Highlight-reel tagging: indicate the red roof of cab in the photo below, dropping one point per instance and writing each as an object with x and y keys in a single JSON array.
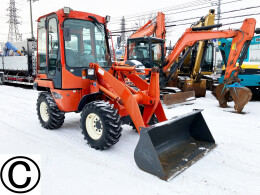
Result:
[{"x": 74, "y": 14}]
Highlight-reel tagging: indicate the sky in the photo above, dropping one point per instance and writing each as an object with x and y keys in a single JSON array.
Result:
[{"x": 118, "y": 8}]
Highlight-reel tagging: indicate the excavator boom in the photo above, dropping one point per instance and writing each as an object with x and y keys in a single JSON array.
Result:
[
  {"x": 154, "y": 27},
  {"x": 241, "y": 40}
]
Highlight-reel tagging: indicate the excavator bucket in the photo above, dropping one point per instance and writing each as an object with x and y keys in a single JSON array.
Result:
[
  {"x": 176, "y": 98},
  {"x": 239, "y": 94},
  {"x": 168, "y": 148},
  {"x": 198, "y": 87}
]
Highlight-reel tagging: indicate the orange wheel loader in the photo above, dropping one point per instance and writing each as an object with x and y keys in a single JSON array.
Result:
[{"x": 75, "y": 74}]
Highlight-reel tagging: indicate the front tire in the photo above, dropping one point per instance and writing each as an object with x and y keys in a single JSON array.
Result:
[
  {"x": 48, "y": 112},
  {"x": 1, "y": 79},
  {"x": 100, "y": 124}
]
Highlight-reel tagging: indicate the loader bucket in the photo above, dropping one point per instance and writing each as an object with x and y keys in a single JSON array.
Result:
[{"x": 168, "y": 148}]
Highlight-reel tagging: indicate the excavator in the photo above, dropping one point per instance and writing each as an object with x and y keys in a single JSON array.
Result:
[
  {"x": 250, "y": 69},
  {"x": 199, "y": 61},
  {"x": 231, "y": 86},
  {"x": 169, "y": 66},
  {"x": 147, "y": 45},
  {"x": 197, "y": 64},
  {"x": 75, "y": 73}
]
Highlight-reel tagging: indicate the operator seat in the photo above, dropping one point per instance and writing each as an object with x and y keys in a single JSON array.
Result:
[
  {"x": 139, "y": 54},
  {"x": 70, "y": 58}
]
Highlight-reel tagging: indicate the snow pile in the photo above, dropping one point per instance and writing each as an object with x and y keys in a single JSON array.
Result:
[{"x": 69, "y": 166}]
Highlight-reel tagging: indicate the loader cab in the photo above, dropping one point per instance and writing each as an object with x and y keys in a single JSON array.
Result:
[
  {"x": 68, "y": 41},
  {"x": 148, "y": 50}
]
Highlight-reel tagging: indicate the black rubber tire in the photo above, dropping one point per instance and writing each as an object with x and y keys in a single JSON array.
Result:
[
  {"x": 1, "y": 80},
  {"x": 56, "y": 117},
  {"x": 152, "y": 121},
  {"x": 110, "y": 120}
]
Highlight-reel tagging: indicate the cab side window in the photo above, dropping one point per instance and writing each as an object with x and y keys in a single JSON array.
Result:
[
  {"x": 53, "y": 46},
  {"x": 41, "y": 62}
]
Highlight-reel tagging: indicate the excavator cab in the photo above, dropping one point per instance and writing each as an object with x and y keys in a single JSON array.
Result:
[
  {"x": 206, "y": 61},
  {"x": 148, "y": 50}
]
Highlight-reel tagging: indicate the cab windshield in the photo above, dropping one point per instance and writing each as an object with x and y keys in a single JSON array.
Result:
[
  {"x": 85, "y": 42},
  {"x": 148, "y": 51}
]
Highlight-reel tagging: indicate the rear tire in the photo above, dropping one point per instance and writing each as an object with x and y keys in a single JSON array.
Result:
[
  {"x": 48, "y": 112},
  {"x": 100, "y": 124}
]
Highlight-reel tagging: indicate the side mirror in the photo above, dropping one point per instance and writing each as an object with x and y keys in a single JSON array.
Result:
[
  {"x": 119, "y": 41},
  {"x": 67, "y": 35}
]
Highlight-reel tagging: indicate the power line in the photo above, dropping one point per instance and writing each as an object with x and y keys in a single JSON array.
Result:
[
  {"x": 213, "y": 3},
  {"x": 167, "y": 26},
  {"x": 169, "y": 10},
  {"x": 240, "y": 16},
  {"x": 185, "y": 19},
  {"x": 181, "y": 6},
  {"x": 221, "y": 13},
  {"x": 240, "y": 9}
]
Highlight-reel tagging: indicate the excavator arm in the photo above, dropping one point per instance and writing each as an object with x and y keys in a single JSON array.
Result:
[
  {"x": 241, "y": 40},
  {"x": 205, "y": 21},
  {"x": 154, "y": 27},
  {"x": 192, "y": 35}
]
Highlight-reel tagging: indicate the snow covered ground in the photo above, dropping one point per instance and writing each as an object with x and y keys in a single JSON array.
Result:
[{"x": 69, "y": 166}]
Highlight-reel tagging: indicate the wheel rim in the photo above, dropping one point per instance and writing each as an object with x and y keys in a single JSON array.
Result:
[
  {"x": 44, "y": 112},
  {"x": 94, "y": 126}
]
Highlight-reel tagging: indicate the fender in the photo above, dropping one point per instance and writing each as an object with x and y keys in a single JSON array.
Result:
[{"x": 87, "y": 99}]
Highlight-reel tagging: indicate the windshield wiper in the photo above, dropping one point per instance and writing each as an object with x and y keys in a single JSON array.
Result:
[{"x": 97, "y": 24}]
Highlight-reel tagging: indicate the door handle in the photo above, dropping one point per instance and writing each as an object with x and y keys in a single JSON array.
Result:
[{"x": 58, "y": 64}]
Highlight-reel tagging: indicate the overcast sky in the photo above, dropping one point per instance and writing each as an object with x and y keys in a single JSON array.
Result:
[{"x": 118, "y": 8}]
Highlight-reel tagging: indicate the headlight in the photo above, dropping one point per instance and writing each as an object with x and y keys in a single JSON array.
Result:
[
  {"x": 91, "y": 71},
  {"x": 56, "y": 95},
  {"x": 107, "y": 19},
  {"x": 66, "y": 10}
]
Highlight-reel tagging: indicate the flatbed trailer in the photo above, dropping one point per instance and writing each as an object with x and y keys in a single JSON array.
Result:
[{"x": 19, "y": 69}]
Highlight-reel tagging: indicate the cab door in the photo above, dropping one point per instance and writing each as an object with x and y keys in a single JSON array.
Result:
[{"x": 53, "y": 52}]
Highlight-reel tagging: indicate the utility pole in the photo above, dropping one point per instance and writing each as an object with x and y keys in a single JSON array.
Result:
[
  {"x": 123, "y": 38},
  {"x": 219, "y": 10},
  {"x": 31, "y": 16},
  {"x": 13, "y": 33}
]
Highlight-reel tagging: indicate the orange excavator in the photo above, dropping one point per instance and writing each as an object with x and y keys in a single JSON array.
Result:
[
  {"x": 147, "y": 45},
  {"x": 231, "y": 90},
  {"x": 240, "y": 44}
]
